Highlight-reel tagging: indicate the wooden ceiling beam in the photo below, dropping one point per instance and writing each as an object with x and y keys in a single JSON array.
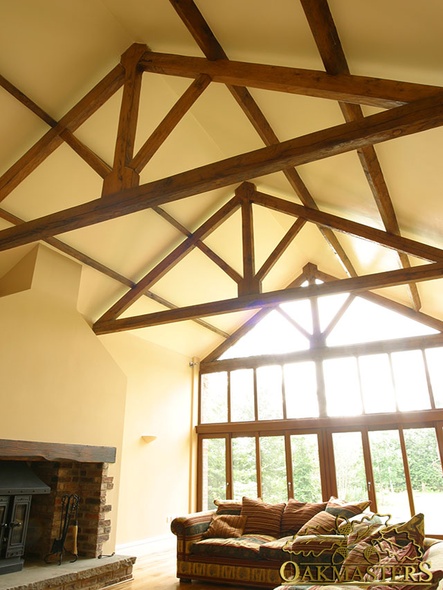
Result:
[
  {"x": 375, "y": 92},
  {"x": 395, "y": 123},
  {"x": 107, "y": 271},
  {"x": 171, "y": 260},
  {"x": 79, "y": 147},
  {"x": 225, "y": 267},
  {"x": 331, "y": 51},
  {"x": 53, "y": 138},
  {"x": 122, "y": 174},
  {"x": 383, "y": 238},
  {"x": 280, "y": 249},
  {"x": 354, "y": 284},
  {"x": 163, "y": 130},
  {"x": 208, "y": 43},
  {"x": 249, "y": 284}
]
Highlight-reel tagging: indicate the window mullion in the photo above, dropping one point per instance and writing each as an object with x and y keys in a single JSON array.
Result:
[
  {"x": 258, "y": 466},
  {"x": 289, "y": 471},
  {"x": 406, "y": 470},
  {"x": 368, "y": 469}
]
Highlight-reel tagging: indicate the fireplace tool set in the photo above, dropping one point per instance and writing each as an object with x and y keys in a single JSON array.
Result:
[{"x": 67, "y": 539}]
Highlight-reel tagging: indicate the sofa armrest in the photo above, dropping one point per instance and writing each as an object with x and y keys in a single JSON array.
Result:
[{"x": 189, "y": 529}]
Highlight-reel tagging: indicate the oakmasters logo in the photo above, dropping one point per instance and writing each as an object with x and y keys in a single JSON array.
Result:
[{"x": 368, "y": 552}]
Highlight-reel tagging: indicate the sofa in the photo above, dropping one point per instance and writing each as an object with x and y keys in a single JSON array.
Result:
[{"x": 292, "y": 545}]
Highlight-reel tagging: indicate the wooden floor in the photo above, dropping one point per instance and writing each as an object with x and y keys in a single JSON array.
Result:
[{"x": 155, "y": 570}]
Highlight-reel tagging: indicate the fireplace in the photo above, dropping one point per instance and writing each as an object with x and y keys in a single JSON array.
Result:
[
  {"x": 18, "y": 485},
  {"x": 64, "y": 469}
]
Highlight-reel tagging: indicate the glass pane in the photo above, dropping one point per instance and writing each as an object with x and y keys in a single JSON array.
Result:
[
  {"x": 389, "y": 475},
  {"x": 274, "y": 334},
  {"x": 244, "y": 469},
  {"x": 410, "y": 381},
  {"x": 213, "y": 471},
  {"x": 300, "y": 390},
  {"x": 242, "y": 395},
  {"x": 349, "y": 466},
  {"x": 376, "y": 383},
  {"x": 434, "y": 358},
  {"x": 342, "y": 387},
  {"x": 306, "y": 468},
  {"x": 365, "y": 321},
  {"x": 269, "y": 393},
  {"x": 273, "y": 469},
  {"x": 426, "y": 475},
  {"x": 214, "y": 397}
]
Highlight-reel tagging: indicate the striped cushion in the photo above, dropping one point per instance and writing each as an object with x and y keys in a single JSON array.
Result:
[
  {"x": 296, "y": 514},
  {"x": 262, "y": 518},
  {"x": 345, "y": 509},
  {"x": 228, "y": 506},
  {"x": 225, "y": 526},
  {"x": 322, "y": 523}
]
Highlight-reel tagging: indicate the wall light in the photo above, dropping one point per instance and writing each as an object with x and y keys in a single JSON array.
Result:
[{"x": 148, "y": 437}]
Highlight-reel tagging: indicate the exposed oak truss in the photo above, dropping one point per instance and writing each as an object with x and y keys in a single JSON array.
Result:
[{"x": 410, "y": 108}]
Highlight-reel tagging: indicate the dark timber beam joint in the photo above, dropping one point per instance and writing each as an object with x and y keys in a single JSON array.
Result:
[{"x": 250, "y": 284}]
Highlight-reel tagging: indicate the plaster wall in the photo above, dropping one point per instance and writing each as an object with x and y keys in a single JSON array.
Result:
[{"x": 157, "y": 476}]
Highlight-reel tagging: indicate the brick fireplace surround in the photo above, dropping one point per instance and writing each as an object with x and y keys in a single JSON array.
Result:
[{"x": 68, "y": 469}]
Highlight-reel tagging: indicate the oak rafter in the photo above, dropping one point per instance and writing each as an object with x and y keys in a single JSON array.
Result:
[
  {"x": 331, "y": 51},
  {"x": 208, "y": 43},
  {"x": 402, "y": 121},
  {"x": 53, "y": 138}
]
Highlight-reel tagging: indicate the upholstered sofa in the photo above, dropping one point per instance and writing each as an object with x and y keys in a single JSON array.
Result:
[{"x": 294, "y": 544}]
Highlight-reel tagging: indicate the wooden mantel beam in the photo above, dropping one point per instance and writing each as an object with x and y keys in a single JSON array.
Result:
[
  {"x": 247, "y": 302},
  {"x": 342, "y": 87},
  {"x": 402, "y": 121}
]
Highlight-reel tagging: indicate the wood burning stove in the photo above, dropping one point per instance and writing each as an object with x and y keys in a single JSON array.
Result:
[{"x": 18, "y": 483}]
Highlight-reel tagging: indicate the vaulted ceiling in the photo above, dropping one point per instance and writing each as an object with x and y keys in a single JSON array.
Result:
[{"x": 201, "y": 159}]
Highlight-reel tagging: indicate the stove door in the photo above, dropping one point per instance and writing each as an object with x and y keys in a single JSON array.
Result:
[
  {"x": 4, "y": 502},
  {"x": 18, "y": 526}
]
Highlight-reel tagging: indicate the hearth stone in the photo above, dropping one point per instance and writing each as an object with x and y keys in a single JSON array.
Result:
[{"x": 87, "y": 574}]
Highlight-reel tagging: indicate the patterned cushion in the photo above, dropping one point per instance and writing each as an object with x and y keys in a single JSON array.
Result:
[
  {"x": 262, "y": 518},
  {"x": 342, "y": 508},
  {"x": 363, "y": 524},
  {"x": 226, "y": 525},
  {"x": 245, "y": 547},
  {"x": 367, "y": 551},
  {"x": 321, "y": 523},
  {"x": 412, "y": 530},
  {"x": 296, "y": 514},
  {"x": 228, "y": 506},
  {"x": 391, "y": 556}
]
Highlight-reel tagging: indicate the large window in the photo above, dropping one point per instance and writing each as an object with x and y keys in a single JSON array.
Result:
[{"x": 334, "y": 396}]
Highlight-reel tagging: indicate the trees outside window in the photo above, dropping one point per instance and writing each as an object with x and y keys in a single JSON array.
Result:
[{"x": 322, "y": 407}]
